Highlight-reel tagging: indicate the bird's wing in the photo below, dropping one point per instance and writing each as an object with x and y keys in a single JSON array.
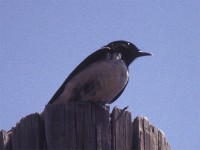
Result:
[
  {"x": 94, "y": 57},
  {"x": 116, "y": 97}
]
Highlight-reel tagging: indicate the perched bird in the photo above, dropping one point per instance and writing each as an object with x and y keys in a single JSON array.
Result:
[{"x": 101, "y": 77}]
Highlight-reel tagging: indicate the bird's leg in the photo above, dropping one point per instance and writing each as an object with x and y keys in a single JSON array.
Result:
[
  {"x": 102, "y": 105},
  {"x": 105, "y": 106},
  {"x": 121, "y": 113}
]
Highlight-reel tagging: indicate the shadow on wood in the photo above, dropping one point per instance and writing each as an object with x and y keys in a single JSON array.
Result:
[{"x": 83, "y": 125}]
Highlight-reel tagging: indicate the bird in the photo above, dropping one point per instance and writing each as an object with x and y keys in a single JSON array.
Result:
[{"x": 101, "y": 77}]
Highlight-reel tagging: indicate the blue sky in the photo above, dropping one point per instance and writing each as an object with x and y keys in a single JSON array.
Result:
[{"x": 43, "y": 41}]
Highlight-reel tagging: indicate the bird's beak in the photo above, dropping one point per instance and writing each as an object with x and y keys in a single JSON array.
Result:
[{"x": 141, "y": 53}]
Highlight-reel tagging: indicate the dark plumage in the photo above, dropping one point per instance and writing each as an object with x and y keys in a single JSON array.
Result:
[{"x": 101, "y": 77}]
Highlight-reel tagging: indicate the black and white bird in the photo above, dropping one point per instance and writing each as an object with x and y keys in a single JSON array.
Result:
[{"x": 101, "y": 77}]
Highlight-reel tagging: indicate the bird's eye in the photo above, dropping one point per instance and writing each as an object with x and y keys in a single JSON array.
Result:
[{"x": 129, "y": 44}]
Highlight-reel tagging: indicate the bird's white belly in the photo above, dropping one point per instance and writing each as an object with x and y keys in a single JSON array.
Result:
[{"x": 99, "y": 82}]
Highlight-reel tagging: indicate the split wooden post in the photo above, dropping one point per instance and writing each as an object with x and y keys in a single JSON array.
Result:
[{"x": 83, "y": 125}]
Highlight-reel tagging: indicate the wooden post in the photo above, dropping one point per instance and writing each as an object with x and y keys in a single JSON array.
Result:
[
  {"x": 77, "y": 126},
  {"x": 121, "y": 130},
  {"x": 83, "y": 125},
  {"x": 148, "y": 137},
  {"x": 5, "y": 140}
]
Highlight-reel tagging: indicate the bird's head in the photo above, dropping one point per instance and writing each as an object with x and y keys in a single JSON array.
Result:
[{"x": 128, "y": 50}]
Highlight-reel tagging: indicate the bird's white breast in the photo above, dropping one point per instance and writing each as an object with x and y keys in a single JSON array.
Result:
[{"x": 107, "y": 76}]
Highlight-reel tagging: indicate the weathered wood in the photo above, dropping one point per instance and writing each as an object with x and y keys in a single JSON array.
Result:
[
  {"x": 83, "y": 125},
  {"x": 101, "y": 118},
  {"x": 5, "y": 140},
  {"x": 77, "y": 125},
  {"x": 121, "y": 130},
  {"x": 29, "y": 133},
  {"x": 148, "y": 137}
]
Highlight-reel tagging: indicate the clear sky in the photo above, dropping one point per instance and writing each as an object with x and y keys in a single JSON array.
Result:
[{"x": 41, "y": 42}]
